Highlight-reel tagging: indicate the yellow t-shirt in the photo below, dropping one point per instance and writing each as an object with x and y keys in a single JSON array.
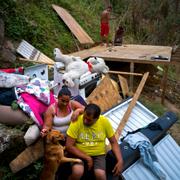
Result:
[{"x": 91, "y": 139}]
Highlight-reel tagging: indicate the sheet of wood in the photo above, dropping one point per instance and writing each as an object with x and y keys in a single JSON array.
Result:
[
  {"x": 85, "y": 53},
  {"x": 135, "y": 53},
  {"x": 124, "y": 86},
  {"x": 105, "y": 95},
  {"x": 72, "y": 24}
]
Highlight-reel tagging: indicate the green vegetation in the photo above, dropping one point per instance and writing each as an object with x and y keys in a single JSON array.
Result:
[
  {"x": 154, "y": 106},
  {"x": 39, "y": 24}
]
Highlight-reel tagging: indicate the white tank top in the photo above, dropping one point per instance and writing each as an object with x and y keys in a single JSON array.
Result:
[{"x": 62, "y": 123}]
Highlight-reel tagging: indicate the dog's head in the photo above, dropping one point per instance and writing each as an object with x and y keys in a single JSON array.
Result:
[{"x": 54, "y": 136}]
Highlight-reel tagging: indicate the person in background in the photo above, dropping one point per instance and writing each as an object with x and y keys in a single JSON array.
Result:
[
  {"x": 59, "y": 115},
  {"x": 86, "y": 140},
  {"x": 105, "y": 17}
]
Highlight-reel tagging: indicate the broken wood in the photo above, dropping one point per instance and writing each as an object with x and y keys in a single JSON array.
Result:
[
  {"x": 28, "y": 156},
  {"x": 131, "y": 106},
  {"x": 105, "y": 95},
  {"x": 124, "y": 86}
]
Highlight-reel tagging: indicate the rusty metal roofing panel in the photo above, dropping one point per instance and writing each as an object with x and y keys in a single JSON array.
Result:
[
  {"x": 140, "y": 117},
  {"x": 168, "y": 154}
]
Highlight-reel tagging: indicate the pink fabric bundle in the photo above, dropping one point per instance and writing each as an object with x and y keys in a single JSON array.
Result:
[{"x": 36, "y": 107}]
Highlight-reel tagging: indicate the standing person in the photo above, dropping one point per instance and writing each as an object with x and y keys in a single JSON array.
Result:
[
  {"x": 86, "y": 140},
  {"x": 105, "y": 17},
  {"x": 59, "y": 115}
]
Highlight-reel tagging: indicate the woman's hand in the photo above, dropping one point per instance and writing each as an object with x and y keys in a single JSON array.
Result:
[
  {"x": 44, "y": 132},
  {"x": 75, "y": 115}
]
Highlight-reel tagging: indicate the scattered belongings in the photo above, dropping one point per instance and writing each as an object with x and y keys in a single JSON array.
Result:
[
  {"x": 105, "y": 93},
  {"x": 154, "y": 130},
  {"x": 77, "y": 72},
  {"x": 74, "y": 27},
  {"x": 37, "y": 71},
  {"x": 167, "y": 152}
]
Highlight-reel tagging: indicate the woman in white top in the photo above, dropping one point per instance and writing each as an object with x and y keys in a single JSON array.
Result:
[{"x": 59, "y": 115}]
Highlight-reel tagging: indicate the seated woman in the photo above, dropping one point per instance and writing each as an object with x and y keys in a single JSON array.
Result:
[{"x": 59, "y": 115}]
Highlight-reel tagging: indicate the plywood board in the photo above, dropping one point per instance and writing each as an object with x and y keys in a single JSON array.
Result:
[
  {"x": 105, "y": 95},
  {"x": 124, "y": 86},
  {"x": 136, "y": 53},
  {"x": 72, "y": 24},
  {"x": 85, "y": 53}
]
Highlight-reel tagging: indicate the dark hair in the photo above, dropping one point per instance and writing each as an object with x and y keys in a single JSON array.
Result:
[
  {"x": 64, "y": 91},
  {"x": 109, "y": 7},
  {"x": 93, "y": 109}
]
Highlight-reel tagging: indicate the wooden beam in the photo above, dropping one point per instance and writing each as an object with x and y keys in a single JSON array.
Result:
[
  {"x": 28, "y": 156},
  {"x": 131, "y": 106},
  {"x": 164, "y": 83},
  {"x": 125, "y": 73},
  {"x": 131, "y": 79},
  {"x": 39, "y": 62}
]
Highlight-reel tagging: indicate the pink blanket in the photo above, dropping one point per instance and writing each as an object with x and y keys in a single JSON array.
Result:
[{"x": 36, "y": 108}]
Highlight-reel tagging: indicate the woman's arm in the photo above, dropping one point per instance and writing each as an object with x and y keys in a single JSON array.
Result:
[
  {"x": 77, "y": 108},
  {"x": 48, "y": 118}
]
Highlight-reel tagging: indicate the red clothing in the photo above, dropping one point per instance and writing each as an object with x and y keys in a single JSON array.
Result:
[{"x": 104, "y": 29}]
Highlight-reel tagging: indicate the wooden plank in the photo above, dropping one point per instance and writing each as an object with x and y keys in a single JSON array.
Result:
[
  {"x": 124, "y": 86},
  {"x": 28, "y": 156},
  {"x": 75, "y": 28},
  {"x": 136, "y": 53},
  {"x": 131, "y": 106},
  {"x": 125, "y": 73},
  {"x": 105, "y": 95},
  {"x": 164, "y": 83},
  {"x": 39, "y": 62}
]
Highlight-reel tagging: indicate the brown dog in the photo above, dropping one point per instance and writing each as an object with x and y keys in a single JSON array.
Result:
[{"x": 54, "y": 155}]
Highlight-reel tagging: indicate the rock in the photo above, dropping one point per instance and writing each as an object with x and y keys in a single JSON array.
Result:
[
  {"x": 7, "y": 55},
  {"x": 11, "y": 142}
]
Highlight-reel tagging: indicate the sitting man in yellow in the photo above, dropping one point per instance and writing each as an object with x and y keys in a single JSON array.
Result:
[{"x": 86, "y": 140}]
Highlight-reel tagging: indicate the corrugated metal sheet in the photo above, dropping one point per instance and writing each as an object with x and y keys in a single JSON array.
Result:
[
  {"x": 32, "y": 54},
  {"x": 168, "y": 154},
  {"x": 140, "y": 117}
]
